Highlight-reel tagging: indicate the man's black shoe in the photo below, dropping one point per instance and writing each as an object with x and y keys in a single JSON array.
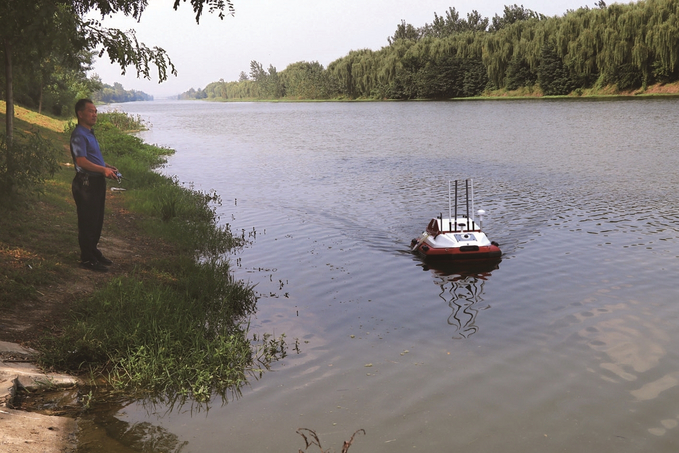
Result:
[
  {"x": 94, "y": 266},
  {"x": 105, "y": 261}
]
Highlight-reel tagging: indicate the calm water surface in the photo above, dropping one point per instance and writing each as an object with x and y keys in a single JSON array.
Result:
[{"x": 571, "y": 344}]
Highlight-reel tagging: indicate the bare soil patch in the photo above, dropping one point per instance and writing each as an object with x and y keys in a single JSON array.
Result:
[{"x": 670, "y": 88}]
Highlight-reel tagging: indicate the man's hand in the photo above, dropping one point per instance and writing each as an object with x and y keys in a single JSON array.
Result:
[{"x": 110, "y": 173}]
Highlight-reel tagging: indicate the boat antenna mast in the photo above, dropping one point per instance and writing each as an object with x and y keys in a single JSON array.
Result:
[
  {"x": 450, "y": 210},
  {"x": 455, "y": 218},
  {"x": 471, "y": 183},
  {"x": 466, "y": 187}
]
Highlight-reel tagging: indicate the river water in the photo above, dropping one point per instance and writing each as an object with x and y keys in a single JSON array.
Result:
[{"x": 569, "y": 344}]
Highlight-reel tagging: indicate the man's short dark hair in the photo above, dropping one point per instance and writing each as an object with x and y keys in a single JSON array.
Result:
[{"x": 80, "y": 105}]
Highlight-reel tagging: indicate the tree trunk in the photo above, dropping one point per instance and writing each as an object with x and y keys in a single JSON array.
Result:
[
  {"x": 40, "y": 101},
  {"x": 9, "y": 95}
]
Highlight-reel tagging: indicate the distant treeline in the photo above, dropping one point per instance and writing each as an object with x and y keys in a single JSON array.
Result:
[
  {"x": 116, "y": 93},
  {"x": 626, "y": 46}
]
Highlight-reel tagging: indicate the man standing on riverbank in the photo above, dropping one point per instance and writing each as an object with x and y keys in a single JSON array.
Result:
[{"x": 89, "y": 186}]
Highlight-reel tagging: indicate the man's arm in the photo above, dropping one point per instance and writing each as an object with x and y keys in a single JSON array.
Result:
[{"x": 108, "y": 171}]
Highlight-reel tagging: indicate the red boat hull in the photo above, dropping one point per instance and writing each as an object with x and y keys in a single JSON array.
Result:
[{"x": 462, "y": 253}]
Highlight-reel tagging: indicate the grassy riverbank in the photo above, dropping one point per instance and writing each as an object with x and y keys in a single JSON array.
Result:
[
  {"x": 168, "y": 319},
  {"x": 606, "y": 92}
]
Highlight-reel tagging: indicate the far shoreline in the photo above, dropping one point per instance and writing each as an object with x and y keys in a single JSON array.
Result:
[{"x": 657, "y": 91}]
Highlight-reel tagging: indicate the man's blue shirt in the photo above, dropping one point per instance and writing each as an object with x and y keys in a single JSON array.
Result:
[{"x": 85, "y": 144}]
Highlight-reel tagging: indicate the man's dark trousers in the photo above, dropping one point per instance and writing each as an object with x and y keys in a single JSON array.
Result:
[{"x": 89, "y": 193}]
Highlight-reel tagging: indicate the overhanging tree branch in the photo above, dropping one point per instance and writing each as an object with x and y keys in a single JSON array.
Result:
[
  {"x": 33, "y": 29},
  {"x": 213, "y": 6},
  {"x": 124, "y": 49},
  {"x": 34, "y": 25}
]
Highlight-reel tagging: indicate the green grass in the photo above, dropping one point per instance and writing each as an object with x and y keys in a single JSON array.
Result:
[
  {"x": 36, "y": 240},
  {"x": 177, "y": 332}
]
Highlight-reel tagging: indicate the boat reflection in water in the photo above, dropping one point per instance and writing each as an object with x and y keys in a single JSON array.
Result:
[{"x": 461, "y": 286}]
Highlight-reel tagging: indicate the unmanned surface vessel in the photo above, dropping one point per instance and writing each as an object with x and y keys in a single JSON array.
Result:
[{"x": 457, "y": 237}]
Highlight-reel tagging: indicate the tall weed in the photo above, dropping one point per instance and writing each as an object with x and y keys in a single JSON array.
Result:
[{"x": 123, "y": 121}]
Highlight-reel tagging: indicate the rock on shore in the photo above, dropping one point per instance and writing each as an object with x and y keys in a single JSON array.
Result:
[{"x": 24, "y": 432}]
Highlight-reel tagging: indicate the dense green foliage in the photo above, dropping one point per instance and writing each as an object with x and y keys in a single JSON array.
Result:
[
  {"x": 629, "y": 46},
  {"x": 25, "y": 163},
  {"x": 176, "y": 327}
]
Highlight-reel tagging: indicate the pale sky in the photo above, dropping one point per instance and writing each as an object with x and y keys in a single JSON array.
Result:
[{"x": 280, "y": 33}]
